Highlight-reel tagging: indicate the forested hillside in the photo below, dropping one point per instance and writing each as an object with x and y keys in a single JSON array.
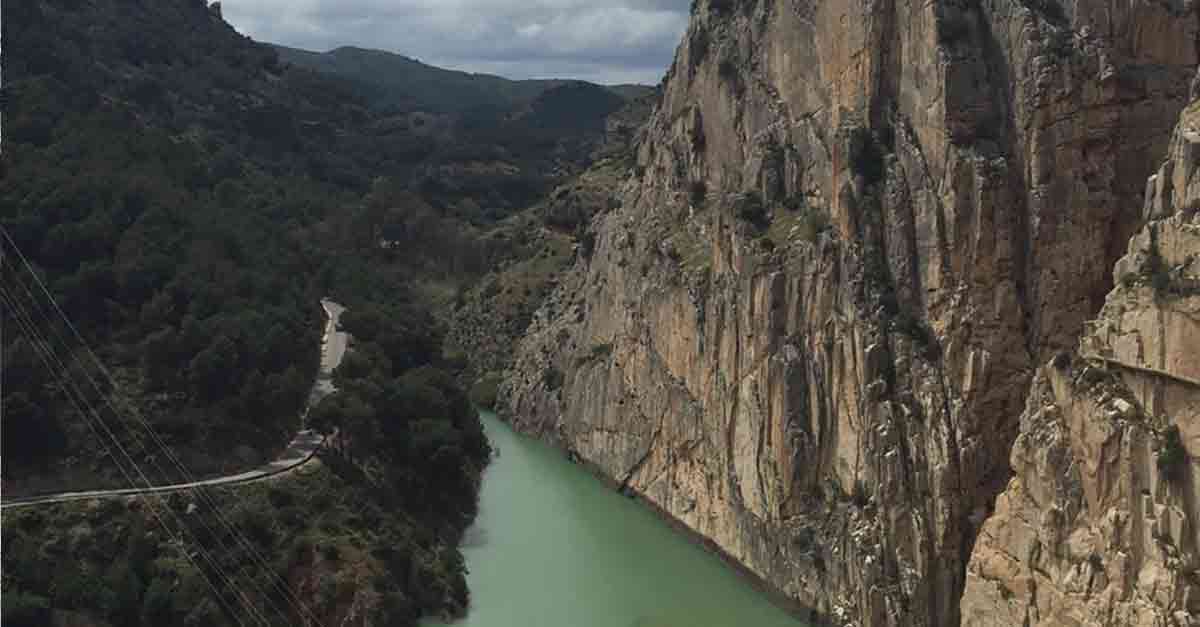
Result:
[
  {"x": 403, "y": 83},
  {"x": 406, "y": 83},
  {"x": 187, "y": 199}
]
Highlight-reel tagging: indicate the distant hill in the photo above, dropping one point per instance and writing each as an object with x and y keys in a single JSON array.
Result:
[{"x": 399, "y": 81}]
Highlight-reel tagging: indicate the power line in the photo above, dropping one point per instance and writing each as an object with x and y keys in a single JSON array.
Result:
[
  {"x": 101, "y": 395},
  {"x": 301, "y": 609},
  {"x": 92, "y": 418}
]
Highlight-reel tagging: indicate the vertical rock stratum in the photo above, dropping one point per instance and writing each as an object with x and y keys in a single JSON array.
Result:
[
  {"x": 1099, "y": 524},
  {"x": 810, "y": 330}
]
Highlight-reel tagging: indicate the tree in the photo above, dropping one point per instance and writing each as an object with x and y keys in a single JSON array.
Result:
[
  {"x": 209, "y": 372},
  {"x": 23, "y": 609}
]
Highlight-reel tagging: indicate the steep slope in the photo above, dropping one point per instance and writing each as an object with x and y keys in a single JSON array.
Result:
[
  {"x": 809, "y": 330},
  {"x": 1100, "y": 524},
  {"x": 490, "y": 317},
  {"x": 187, "y": 200}
]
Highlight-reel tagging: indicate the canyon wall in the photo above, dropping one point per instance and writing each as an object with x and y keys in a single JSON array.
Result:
[
  {"x": 1099, "y": 525},
  {"x": 857, "y": 227}
]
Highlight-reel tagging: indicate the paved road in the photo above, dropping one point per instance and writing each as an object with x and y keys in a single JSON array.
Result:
[
  {"x": 333, "y": 348},
  {"x": 300, "y": 451}
]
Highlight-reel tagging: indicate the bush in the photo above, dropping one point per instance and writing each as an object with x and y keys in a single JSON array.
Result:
[
  {"x": 1173, "y": 459},
  {"x": 749, "y": 207},
  {"x": 814, "y": 222},
  {"x": 587, "y": 244},
  {"x": 915, "y": 328},
  {"x": 866, "y": 156},
  {"x": 697, "y": 192},
  {"x": 859, "y": 496},
  {"x": 728, "y": 71},
  {"x": 553, "y": 378},
  {"x": 1155, "y": 268},
  {"x": 599, "y": 352},
  {"x": 21, "y": 609},
  {"x": 483, "y": 393}
]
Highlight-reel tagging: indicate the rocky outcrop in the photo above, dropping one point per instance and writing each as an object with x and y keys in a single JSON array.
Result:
[
  {"x": 809, "y": 331},
  {"x": 533, "y": 249},
  {"x": 1101, "y": 524}
]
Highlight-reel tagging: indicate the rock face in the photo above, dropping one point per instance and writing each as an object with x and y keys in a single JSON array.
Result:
[
  {"x": 809, "y": 331},
  {"x": 1101, "y": 524}
]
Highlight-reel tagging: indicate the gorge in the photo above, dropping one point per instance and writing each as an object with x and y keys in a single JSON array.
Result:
[
  {"x": 893, "y": 305},
  {"x": 818, "y": 330},
  {"x": 553, "y": 546}
]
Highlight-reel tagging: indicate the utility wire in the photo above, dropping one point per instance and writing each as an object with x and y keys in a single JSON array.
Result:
[
  {"x": 256, "y": 558},
  {"x": 81, "y": 404},
  {"x": 296, "y": 604},
  {"x": 31, "y": 328}
]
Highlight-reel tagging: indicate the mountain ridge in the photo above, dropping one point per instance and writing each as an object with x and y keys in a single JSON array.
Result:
[{"x": 404, "y": 81}]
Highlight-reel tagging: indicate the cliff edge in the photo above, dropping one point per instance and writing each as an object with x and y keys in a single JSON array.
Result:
[
  {"x": 1099, "y": 525},
  {"x": 809, "y": 330}
]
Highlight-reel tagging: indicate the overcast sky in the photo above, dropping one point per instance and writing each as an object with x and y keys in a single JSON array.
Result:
[{"x": 606, "y": 41}]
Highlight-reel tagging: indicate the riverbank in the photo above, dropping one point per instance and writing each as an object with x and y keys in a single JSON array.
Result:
[
  {"x": 777, "y": 597},
  {"x": 554, "y": 546}
]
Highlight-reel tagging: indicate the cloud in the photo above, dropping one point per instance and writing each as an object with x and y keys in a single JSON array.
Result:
[{"x": 600, "y": 40}]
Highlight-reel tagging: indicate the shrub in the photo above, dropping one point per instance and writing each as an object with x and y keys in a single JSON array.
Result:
[
  {"x": 599, "y": 352},
  {"x": 859, "y": 496},
  {"x": 814, "y": 222},
  {"x": 749, "y": 207},
  {"x": 697, "y": 191},
  {"x": 728, "y": 70},
  {"x": 1173, "y": 458},
  {"x": 553, "y": 378},
  {"x": 866, "y": 156},
  {"x": 483, "y": 393},
  {"x": 22, "y": 609},
  {"x": 1155, "y": 268},
  {"x": 914, "y": 328}
]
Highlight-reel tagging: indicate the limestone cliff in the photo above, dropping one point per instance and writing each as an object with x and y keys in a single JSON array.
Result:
[
  {"x": 1101, "y": 524},
  {"x": 809, "y": 330}
]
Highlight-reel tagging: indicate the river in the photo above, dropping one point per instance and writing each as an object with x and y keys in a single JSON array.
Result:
[{"x": 555, "y": 547}]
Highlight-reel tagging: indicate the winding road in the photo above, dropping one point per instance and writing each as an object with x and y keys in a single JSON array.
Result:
[{"x": 299, "y": 452}]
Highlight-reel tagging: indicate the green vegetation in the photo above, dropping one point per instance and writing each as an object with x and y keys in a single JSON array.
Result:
[
  {"x": 728, "y": 70},
  {"x": 1157, "y": 271},
  {"x": 176, "y": 248},
  {"x": 1159, "y": 274},
  {"x": 188, "y": 199},
  {"x": 691, "y": 252},
  {"x": 193, "y": 251},
  {"x": 866, "y": 156},
  {"x": 697, "y": 192},
  {"x": 485, "y": 390},
  {"x": 553, "y": 378},
  {"x": 331, "y": 534},
  {"x": 803, "y": 222},
  {"x": 404, "y": 83},
  {"x": 749, "y": 207},
  {"x": 598, "y": 353},
  {"x": 409, "y": 426},
  {"x": 1173, "y": 459}
]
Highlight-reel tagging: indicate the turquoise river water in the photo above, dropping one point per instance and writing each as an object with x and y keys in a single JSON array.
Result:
[{"x": 555, "y": 547}]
